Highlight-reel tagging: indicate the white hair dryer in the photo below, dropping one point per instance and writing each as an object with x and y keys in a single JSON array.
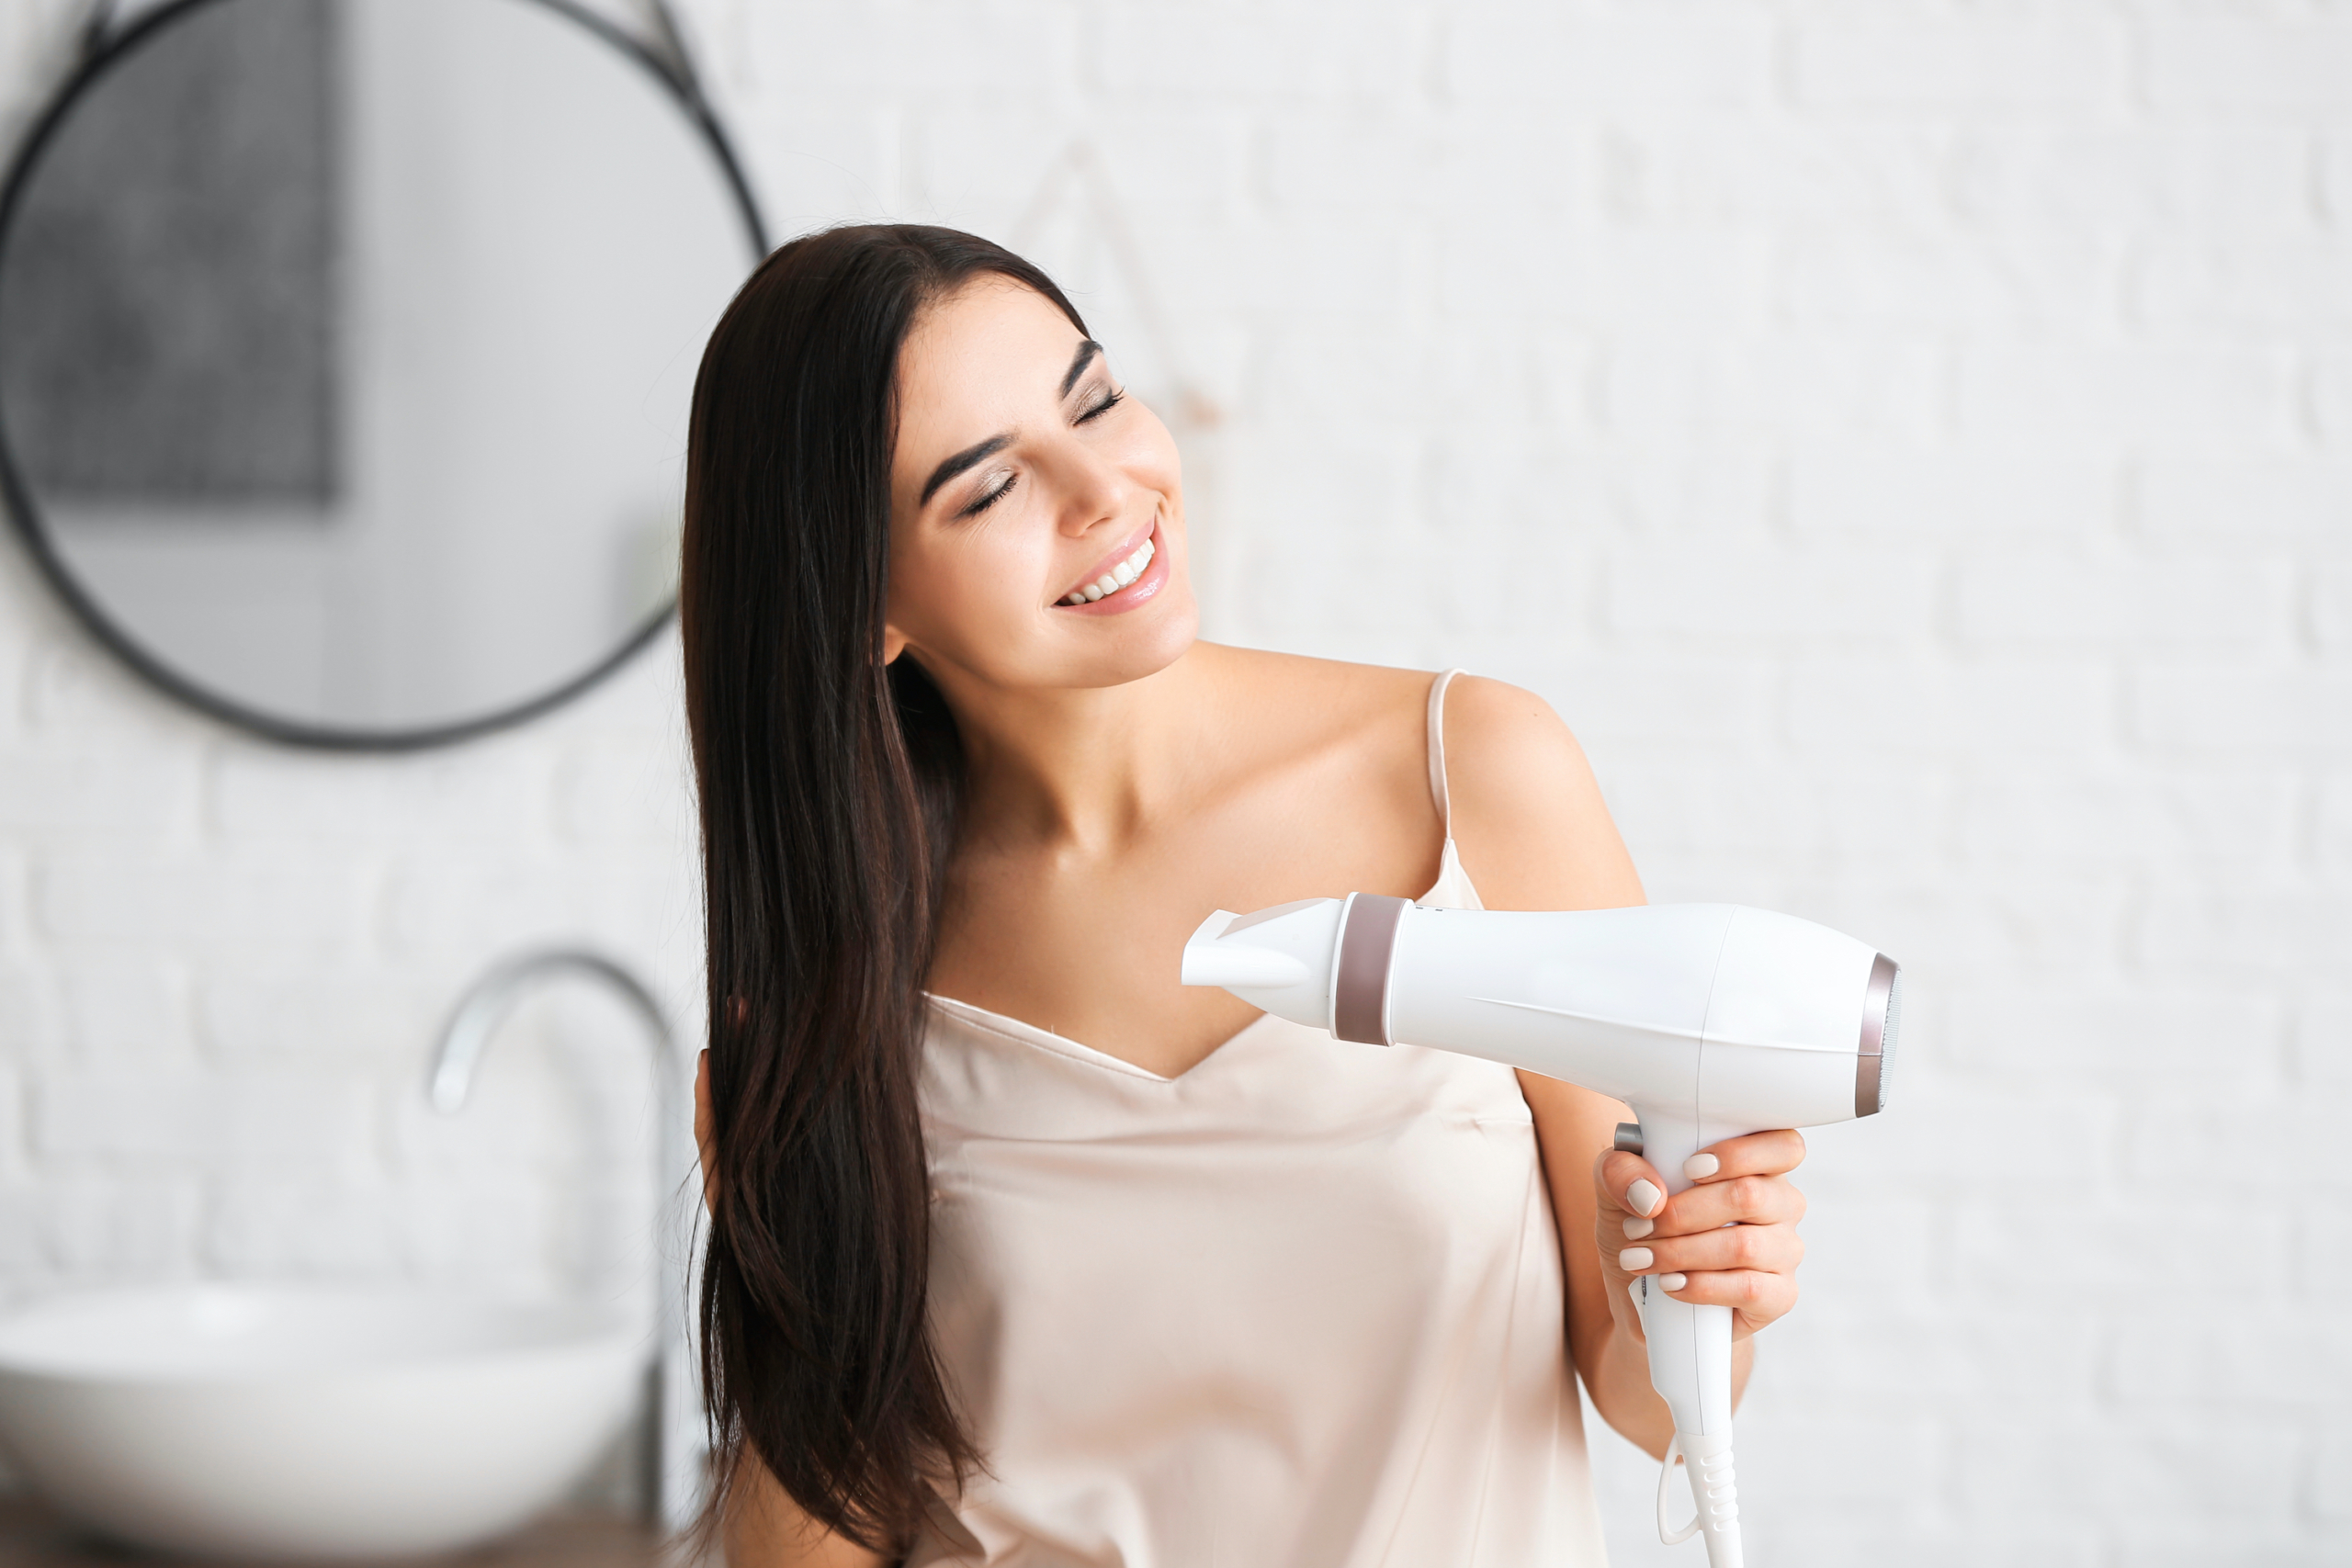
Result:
[{"x": 1710, "y": 1020}]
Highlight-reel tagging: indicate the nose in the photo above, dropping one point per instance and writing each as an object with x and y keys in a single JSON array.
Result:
[{"x": 1091, "y": 488}]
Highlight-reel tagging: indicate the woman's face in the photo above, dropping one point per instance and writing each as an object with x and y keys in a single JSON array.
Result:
[{"x": 1023, "y": 480}]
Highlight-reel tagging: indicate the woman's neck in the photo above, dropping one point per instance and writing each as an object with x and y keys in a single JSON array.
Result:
[{"x": 1087, "y": 769}]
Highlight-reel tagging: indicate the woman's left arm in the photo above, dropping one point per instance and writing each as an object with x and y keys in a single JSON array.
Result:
[{"x": 1534, "y": 834}]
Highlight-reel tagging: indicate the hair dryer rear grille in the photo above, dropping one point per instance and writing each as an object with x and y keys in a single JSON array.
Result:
[
  {"x": 1886, "y": 1042},
  {"x": 1881, "y": 1017}
]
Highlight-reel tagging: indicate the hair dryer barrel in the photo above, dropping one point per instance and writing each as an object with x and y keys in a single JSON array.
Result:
[{"x": 1739, "y": 1018}]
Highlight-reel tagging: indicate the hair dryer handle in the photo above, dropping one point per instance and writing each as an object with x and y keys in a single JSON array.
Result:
[
  {"x": 1690, "y": 1354},
  {"x": 1690, "y": 1346}
]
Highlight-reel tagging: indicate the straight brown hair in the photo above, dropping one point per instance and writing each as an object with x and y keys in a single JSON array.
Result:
[{"x": 830, "y": 787}]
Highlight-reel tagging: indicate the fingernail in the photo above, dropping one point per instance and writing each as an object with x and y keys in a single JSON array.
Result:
[
  {"x": 1634, "y": 1260},
  {"x": 1698, "y": 1167},
  {"x": 1644, "y": 1198},
  {"x": 1637, "y": 1228},
  {"x": 1672, "y": 1282}
]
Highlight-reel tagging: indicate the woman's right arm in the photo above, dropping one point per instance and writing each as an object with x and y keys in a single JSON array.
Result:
[{"x": 764, "y": 1528}]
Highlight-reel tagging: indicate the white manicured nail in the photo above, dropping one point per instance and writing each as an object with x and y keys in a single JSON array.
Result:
[
  {"x": 1644, "y": 1198},
  {"x": 1634, "y": 1260},
  {"x": 1672, "y": 1282},
  {"x": 1637, "y": 1228},
  {"x": 1698, "y": 1167}
]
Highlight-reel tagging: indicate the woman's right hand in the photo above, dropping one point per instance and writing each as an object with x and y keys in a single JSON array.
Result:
[{"x": 1729, "y": 1239}]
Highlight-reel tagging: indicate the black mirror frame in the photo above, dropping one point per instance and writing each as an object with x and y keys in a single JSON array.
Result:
[{"x": 104, "y": 51}]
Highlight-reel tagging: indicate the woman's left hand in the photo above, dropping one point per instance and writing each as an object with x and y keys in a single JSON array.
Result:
[{"x": 1729, "y": 1240}]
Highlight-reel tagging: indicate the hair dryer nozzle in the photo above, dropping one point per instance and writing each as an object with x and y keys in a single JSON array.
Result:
[
  {"x": 1208, "y": 962},
  {"x": 1278, "y": 959}
]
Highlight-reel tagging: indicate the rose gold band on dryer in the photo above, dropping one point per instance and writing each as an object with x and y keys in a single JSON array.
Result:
[
  {"x": 1872, "y": 1061},
  {"x": 1367, "y": 943}
]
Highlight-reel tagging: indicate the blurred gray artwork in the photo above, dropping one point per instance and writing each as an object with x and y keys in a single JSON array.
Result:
[
  {"x": 169, "y": 328},
  {"x": 344, "y": 351}
]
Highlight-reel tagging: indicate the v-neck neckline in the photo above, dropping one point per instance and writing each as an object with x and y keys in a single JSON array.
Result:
[
  {"x": 1452, "y": 890},
  {"x": 1077, "y": 1050}
]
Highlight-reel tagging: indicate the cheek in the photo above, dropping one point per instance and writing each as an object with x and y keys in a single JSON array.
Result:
[
  {"x": 958, "y": 591},
  {"x": 1151, "y": 460}
]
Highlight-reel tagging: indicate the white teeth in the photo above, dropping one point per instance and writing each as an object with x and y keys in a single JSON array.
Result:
[{"x": 1118, "y": 577}]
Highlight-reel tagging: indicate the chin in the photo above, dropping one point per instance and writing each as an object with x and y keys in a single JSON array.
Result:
[{"x": 1160, "y": 636}]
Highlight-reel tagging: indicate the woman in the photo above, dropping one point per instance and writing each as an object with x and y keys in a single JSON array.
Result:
[{"x": 1020, "y": 1251}]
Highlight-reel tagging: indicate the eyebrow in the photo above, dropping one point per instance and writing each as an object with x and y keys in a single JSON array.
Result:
[
  {"x": 961, "y": 461},
  {"x": 1087, "y": 349},
  {"x": 981, "y": 451}
]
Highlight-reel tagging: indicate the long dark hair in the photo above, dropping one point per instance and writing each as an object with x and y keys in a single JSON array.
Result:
[{"x": 831, "y": 785}]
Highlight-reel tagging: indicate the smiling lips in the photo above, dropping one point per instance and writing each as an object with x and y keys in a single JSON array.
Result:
[{"x": 1118, "y": 577}]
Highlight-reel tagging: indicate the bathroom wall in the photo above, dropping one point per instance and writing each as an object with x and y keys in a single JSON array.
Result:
[
  {"x": 223, "y": 965},
  {"x": 1911, "y": 443}
]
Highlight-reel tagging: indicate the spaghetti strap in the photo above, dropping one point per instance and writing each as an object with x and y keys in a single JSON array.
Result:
[
  {"x": 1454, "y": 889},
  {"x": 1436, "y": 750}
]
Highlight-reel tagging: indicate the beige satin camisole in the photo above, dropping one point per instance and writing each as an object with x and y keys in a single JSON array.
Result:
[{"x": 1299, "y": 1307}]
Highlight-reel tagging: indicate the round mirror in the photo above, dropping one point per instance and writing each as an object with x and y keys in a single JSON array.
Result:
[{"x": 346, "y": 348}]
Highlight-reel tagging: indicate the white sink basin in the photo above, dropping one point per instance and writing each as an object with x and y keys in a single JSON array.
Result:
[{"x": 282, "y": 1421}]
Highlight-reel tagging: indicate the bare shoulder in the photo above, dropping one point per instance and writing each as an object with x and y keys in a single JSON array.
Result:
[
  {"x": 1300, "y": 706},
  {"x": 1511, "y": 737},
  {"x": 1529, "y": 819},
  {"x": 1331, "y": 689}
]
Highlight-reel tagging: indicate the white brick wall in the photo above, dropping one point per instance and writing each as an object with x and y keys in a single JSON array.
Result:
[{"x": 1911, "y": 442}]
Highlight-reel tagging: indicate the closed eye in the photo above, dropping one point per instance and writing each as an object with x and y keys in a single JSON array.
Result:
[
  {"x": 1106, "y": 398},
  {"x": 990, "y": 496}
]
